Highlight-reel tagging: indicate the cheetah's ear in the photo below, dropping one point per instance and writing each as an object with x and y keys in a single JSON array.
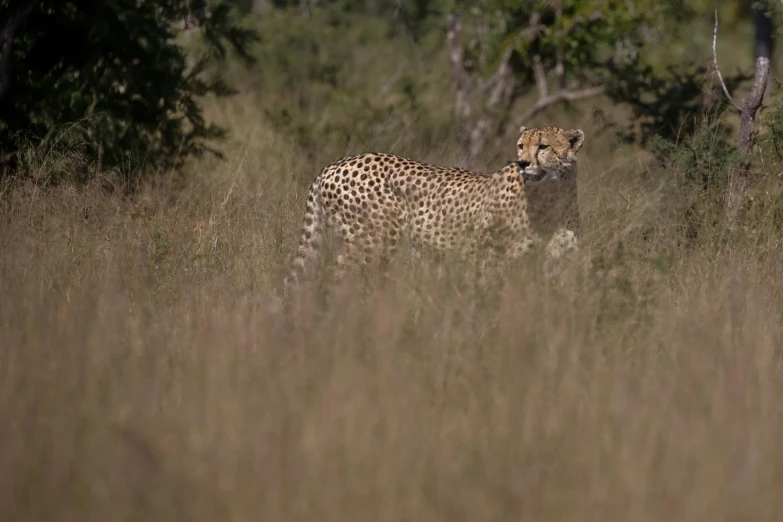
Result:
[
  {"x": 575, "y": 137},
  {"x": 522, "y": 129}
]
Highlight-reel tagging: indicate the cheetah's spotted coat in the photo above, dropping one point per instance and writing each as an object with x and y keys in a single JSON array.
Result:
[{"x": 372, "y": 200}]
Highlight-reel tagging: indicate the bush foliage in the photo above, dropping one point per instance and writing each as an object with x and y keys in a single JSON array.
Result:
[
  {"x": 126, "y": 91},
  {"x": 117, "y": 71}
]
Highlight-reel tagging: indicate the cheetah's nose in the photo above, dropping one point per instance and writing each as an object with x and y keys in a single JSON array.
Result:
[{"x": 523, "y": 164}]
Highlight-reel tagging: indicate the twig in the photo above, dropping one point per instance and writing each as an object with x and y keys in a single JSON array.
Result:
[
  {"x": 715, "y": 61},
  {"x": 561, "y": 96},
  {"x": 461, "y": 83},
  {"x": 533, "y": 29},
  {"x": 560, "y": 66},
  {"x": 503, "y": 70},
  {"x": 504, "y": 81},
  {"x": 401, "y": 14},
  {"x": 388, "y": 84},
  {"x": 545, "y": 99},
  {"x": 540, "y": 74},
  {"x": 527, "y": 35},
  {"x": 502, "y": 85}
]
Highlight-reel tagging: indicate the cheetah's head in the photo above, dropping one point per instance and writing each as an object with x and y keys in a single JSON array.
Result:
[{"x": 547, "y": 152}]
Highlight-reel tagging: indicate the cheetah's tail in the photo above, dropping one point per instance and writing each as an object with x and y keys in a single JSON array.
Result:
[{"x": 312, "y": 235}]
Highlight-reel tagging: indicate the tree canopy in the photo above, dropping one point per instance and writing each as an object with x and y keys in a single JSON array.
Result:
[
  {"x": 114, "y": 82},
  {"x": 111, "y": 78}
]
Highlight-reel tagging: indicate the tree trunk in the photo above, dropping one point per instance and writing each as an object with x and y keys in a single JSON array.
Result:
[
  {"x": 738, "y": 184},
  {"x": 750, "y": 106}
]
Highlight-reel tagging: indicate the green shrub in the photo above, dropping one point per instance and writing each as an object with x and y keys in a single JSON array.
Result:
[{"x": 117, "y": 69}]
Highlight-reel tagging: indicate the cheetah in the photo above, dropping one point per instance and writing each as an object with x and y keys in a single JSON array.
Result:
[{"x": 373, "y": 200}]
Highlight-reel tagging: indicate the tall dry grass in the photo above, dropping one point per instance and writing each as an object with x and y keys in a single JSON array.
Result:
[{"x": 144, "y": 374}]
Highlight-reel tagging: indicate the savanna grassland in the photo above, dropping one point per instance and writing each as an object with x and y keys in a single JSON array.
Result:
[{"x": 147, "y": 374}]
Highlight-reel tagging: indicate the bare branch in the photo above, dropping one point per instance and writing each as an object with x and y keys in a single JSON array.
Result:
[
  {"x": 399, "y": 9},
  {"x": 561, "y": 96},
  {"x": 715, "y": 61},
  {"x": 6, "y": 40},
  {"x": 540, "y": 75},
  {"x": 504, "y": 81},
  {"x": 389, "y": 83},
  {"x": 501, "y": 95},
  {"x": 545, "y": 99},
  {"x": 559, "y": 66},
  {"x": 478, "y": 122},
  {"x": 503, "y": 68},
  {"x": 527, "y": 34},
  {"x": 534, "y": 27},
  {"x": 560, "y": 70},
  {"x": 460, "y": 80},
  {"x": 401, "y": 14}
]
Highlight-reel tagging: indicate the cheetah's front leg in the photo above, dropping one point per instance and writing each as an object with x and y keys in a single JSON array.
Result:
[{"x": 560, "y": 251}]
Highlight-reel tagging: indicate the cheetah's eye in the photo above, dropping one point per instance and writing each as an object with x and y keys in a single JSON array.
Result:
[{"x": 543, "y": 146}]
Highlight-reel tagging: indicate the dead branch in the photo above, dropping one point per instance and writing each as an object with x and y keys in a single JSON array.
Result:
[
  {"x": 500, "y": 85},
  {"x": 534, "y": 27},
  {"x": 501, "y": 75},
  {"x": 546, "y": 100},
  {"x": 715, "y": 62},
  {"x": 6, "y": 40},
  {"x": 540, "y": 75},
  {"x": 503, "y": 86},
  {"x": 389, "y": 84},
  {"x": 560, "y": 66},
  {"x": 501, "y": 95},
  {"x": 401, "y": 14},
  {"x": 527, "y": 34},
  {"x": 460, "y": 80},
  {"x": 560, "y": 70},
  {"x": 559, "y": 97}
]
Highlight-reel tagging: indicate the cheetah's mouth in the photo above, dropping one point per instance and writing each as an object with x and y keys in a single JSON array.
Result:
[
  {"x": 538, "y": 175},
  {"x": 531, "y": 177}
]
